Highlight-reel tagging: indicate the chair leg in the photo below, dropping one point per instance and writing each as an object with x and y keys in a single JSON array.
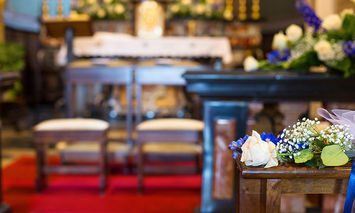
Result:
[
  {"x": 41, "y": 179},
  {"x": 198, "y": 163},
  {"x": 103, "y": 166},
  {"x": 140, "y": 169}
]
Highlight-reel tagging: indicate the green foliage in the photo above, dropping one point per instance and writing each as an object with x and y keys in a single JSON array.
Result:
[
  {"x": 304, "y": 156},
  {"x": 349, "y": 27},
  {"x": 11, "y": 57},
  {"x": 345, "y": 66},
  {"x": 265, "y": 65},
  {"x": 333, "y": 155},
  {"x": 305, "y": 61},
  {"x": 316, "y": 161}
]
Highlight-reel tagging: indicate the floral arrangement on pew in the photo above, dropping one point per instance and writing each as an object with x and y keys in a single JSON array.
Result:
[
  {"x": 107, "y": 9},
  {"x": 306, "y": 142},
  {"x": 328, "y": 43}
]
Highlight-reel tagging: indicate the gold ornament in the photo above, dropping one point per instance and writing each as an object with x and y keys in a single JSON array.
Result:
[
  {"x": 255, "y": 10},
  {"x": 242, "y": 9}
]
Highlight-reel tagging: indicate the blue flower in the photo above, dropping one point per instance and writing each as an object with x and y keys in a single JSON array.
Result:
[
  {"x": 268, "y": 137},
  {"x": 349, "y": 48},
  {"x": 236, "y": 154},
  {"x": 276, "y": 56},
  {"x": 236, "y": 146},
  {"x": 309, "y": 16}
]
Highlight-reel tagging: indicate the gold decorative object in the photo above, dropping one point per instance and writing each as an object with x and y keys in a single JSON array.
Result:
[
  {"x": 228, "y": 12},
  {"x": 149, "y": 19},
  {"x": 255, "y": 10},
  {"x": 2, "y": 26},
  {"x": 242, "y": 10},
  {"x": 191, "y": 27},
  {"x": 45, "y": 9},
  {"x": 60, "y": 9}
]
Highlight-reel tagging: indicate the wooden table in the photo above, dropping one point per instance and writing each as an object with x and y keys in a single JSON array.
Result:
[
  {"x": 225, "y": 98},
  {"x": 259, "y": 189},
  {"x": 7, "y": 80}
]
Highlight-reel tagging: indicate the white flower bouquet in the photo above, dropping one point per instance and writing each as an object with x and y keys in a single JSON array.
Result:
[
  {"x": 329, "y": 43},
  {"x": 107, "y": 9},
  {"x": 306, "y": 142}
]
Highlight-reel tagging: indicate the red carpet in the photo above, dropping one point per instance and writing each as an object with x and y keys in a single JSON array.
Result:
[{"x": 163, "y": 194}]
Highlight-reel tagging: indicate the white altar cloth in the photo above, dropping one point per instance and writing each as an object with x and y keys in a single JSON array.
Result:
[{"x": 104, "y": 44}]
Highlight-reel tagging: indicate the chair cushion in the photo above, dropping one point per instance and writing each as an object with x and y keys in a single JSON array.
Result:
[
  {"x": 171, "y": 124},
  {"x": 72, "y": 124},
  {"x": 90, "y": 147},
  {"x": 172, "y": 148}
]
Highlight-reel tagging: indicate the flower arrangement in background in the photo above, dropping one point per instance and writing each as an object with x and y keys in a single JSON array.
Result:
[
  {"x": 306, "y": 142},
  {"x": 105, "y": 9},
  {"x": 200, "y": 9},
  {"x": 329, "y": 43}
]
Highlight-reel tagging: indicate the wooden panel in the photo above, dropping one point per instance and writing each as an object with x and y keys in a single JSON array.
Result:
[
  {"x": 273, "y": 196},
  {"x": 248, "y": 198},
  {"x": 314, "y": 186},
  {"x": 223, "y": 175}
]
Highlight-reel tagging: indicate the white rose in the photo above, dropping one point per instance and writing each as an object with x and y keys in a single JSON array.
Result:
[
  {"x": 294, "y": 33},
  {"x": 101, "y": 13},
  {"x": 186, "y": 2},
  {"x": 119, "y": 8},
  {"x": 332, "y": 22},
  {"x": 200, "y": 9},
  {"x": 175, "y": 8},
  {"x": 279, "y": 42},
  {"x": 250, "y": 64},
  {"x": 256, "y": 152},
  {"x": 346, "y": 11},
  {"x": 324, "y": 50}
]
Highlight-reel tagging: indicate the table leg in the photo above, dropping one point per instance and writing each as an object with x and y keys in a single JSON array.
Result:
[{"x": 270, "y": 196}]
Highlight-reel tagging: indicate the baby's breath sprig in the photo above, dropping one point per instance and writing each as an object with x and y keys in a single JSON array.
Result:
[{"x": 305, "y": 138}]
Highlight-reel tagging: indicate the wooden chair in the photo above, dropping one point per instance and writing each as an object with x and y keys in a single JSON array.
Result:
[
  {"x": 167, "y": 137},
  {"x": 114, "y": 73},
  {"x": 75, "y": 129}
]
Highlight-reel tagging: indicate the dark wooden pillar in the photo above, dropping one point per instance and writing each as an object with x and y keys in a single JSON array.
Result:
[{"x": 224, "y": 121}]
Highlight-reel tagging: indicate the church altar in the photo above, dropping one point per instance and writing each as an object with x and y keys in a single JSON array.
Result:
[{"x": 104, "y": 44}]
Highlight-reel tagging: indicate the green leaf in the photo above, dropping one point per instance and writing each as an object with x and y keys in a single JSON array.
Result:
[
  {"x": 349, "y": 26},
  {"x": 333, "y": 155},
  {"x": 304, "y": 156},
  {"x": 305, "y": 61}
]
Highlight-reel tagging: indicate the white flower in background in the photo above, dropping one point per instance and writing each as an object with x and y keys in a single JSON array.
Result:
[
  {"x": 186, "y": 2},
  {"x": 200, "y": 9},
  {"x": 332, "y": 22},
  {"x": 174, "y": 8},
  {"x": 250, "y": 64},
  {"x": 324, "y": 50},
  {"x": 294, "y": 33},
  {"x": 346, "y": 11},
  {"x": 101, "y": 13},
  {"x": 257, "y": 152},
  {"x": 119, "y": 8},
  {"x": 279, "y": 42},
  {"x": 108, "y": 1}
]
